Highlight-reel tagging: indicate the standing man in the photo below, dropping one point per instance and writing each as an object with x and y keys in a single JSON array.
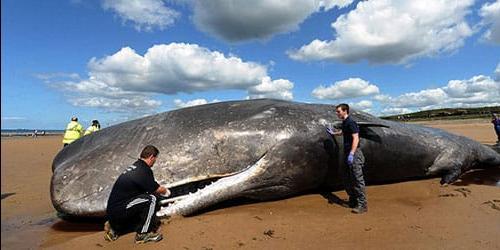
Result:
[
  {"x": 496, "y": 124},
  {"x": 352, "y": 176},
  {"x": 132, "y": 204},
  {"x": 73, "y": 132}
]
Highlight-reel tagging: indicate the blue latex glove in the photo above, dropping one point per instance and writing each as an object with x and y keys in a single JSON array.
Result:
[
  {"x": 329, "y": 130},
  {"x": 350, "y": 159}
]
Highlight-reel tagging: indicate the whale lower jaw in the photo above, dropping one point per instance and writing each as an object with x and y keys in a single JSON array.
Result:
[{"x": 220, "y": 190}]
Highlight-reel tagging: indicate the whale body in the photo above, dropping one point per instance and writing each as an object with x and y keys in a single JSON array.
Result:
[{"x": 259, "y": 149}]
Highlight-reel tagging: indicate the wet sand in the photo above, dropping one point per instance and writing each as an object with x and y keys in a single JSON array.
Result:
[{"x": 413, "y": 215}]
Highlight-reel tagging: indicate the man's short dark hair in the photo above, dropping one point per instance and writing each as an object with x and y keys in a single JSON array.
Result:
[
  {"x": 148, "y": 151},
  {"x": 343, "y": 106}
]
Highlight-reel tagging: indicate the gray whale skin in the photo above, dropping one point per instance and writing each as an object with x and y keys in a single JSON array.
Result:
[{"x": 259, "y": 149}]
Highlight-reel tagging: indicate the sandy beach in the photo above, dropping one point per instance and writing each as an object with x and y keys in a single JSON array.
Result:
[{"x": 410, "y": 215}]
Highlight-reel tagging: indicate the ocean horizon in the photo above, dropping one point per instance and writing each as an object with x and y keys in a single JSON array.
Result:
[{"x": 29, "y": 132}]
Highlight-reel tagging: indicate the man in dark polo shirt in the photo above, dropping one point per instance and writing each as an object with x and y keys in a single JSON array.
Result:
[
  {"x": 352, "y": 176},
  {"x": 132, "y": 204}
]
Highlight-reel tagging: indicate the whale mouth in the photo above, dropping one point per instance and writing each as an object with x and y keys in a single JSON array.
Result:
[
  {"x": 185, "y": 190},
  {"x": 190, "y": 197}
]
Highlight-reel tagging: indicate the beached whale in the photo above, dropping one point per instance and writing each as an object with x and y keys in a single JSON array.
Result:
[{"x": 259, "y": 149}]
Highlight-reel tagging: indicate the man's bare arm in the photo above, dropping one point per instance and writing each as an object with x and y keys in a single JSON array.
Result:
[{"x": 355, "y": 142}]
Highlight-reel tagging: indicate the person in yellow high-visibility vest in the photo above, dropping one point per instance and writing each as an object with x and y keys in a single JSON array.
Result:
[
  {"x": 74, "y": 131},
  {"x": 93, "y": 128}
]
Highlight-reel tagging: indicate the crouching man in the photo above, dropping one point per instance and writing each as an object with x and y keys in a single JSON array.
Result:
[{"x": 133, "y": 203}]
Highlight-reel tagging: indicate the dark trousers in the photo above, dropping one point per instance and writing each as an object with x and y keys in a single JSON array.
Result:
[
  {"x": 138, "y": 214},
  {"x": 497, "y": 130},
  {"x": 352, "y": 177}
]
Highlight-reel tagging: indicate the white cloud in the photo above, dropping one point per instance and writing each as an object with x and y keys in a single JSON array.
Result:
[
  {"x": 330, "y": 4},
  {"x": 95, "y": 93},
  {"x": 352, "y": 87},
  {"x": 474, "y": 92},
  {"x": 382, "y": 98},
  {"x": 422, "y": 98},
  {"x": 259, "y": 19},
  {"x": 280, "y": 89},
  {"x": 176, "y": 67},
  {"x": 137, "y": 104},
  {"x": 395, "y": 111},
  {"x": 127, "y": 80},
  {"x": 144, "y": 14},
  {"x": 181, "y": 104},
  {"x": 497, "y": 73},
  {"x": 13, "y": 118},
  {"x": 393, "y": 31},
  {"x": 490, "y": 12},
  {"x": 57, "y": 75},
  {"x": 364, "y": 105},
  {"x": 475, "y": 88}
]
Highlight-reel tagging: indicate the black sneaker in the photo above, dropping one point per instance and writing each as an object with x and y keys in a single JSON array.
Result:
[
  {"x": 109, "y": 233},
  {"x": 352, "y": 203},
  {"x": 148, "y": 237},
  {"x": 360, "y": 209}
]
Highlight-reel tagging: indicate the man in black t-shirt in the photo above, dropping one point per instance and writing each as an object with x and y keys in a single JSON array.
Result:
[
  {"x": 132, "y": 204},
  {"x": 352, "y": 175}
]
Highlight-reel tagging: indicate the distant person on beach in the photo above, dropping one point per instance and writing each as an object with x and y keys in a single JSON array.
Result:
[
  {"x": 93, "y": 128},
  {"x": 352, "y": 174},
  {"x": 73, "y": 132},
  {"x": 133, "y": 202},
  {"x": 496, "y": 124},
  {"x": 35, "y": 133}
]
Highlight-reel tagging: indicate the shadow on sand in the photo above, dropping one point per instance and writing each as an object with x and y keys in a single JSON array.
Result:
[
  {"x": 488, "y": 177},
  {"x": 75, "y": 224},
  {"x": 334, "y": 199},
  {"x": 5, "y": 195}
]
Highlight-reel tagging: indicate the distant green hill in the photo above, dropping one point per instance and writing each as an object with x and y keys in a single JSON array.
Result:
[{"x": 446, "y": 114}]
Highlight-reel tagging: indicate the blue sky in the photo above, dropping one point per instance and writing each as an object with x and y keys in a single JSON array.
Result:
[{"x": 115, "y": 60}]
